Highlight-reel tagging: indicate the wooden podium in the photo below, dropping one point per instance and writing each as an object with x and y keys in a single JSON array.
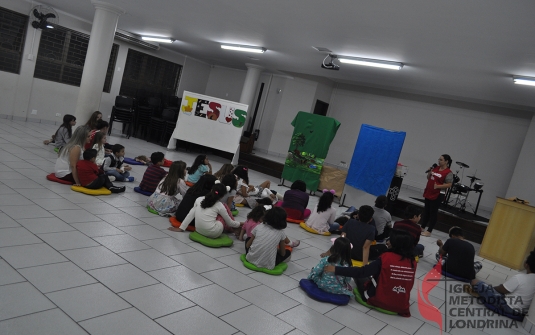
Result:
[{"x": 510, "y": 235}]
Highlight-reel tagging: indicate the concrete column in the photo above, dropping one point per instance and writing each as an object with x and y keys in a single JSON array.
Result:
[
  {"x": 21, "y": 101},
  {"x": 250, "y": 84},
  {"x": 97, "y": 58},
  {"x": 522, "y": 184}
]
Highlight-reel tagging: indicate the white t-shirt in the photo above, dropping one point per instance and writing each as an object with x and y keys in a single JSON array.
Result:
[
  {"x": 320, "y": 221},
  {"x": 63, "y": 165},
  {"x": 263, "y": 251},
  {"x": 182, "y": 188},
  {"x": 381, "y": 218},
  {"x": 100, "y": 154},
  {"x": 522, "y": 288},
  {"x": 205, "y": 219}
]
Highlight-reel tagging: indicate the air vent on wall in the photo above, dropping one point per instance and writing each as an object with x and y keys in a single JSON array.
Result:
[{"x": 135, "y": 39}]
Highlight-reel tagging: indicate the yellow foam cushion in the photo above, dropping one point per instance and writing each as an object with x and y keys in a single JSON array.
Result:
[
  {"x": 357, "y": 264},
  {"x": 100, "y": 191},
  {"x": 239, "y": 205},
  {"x": 310, "y": 230}
]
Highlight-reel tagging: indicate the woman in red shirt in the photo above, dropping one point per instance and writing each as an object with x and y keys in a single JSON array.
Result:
[{"x": 439, "y": 179}]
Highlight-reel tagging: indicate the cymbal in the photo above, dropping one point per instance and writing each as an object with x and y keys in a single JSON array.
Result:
[
  {"x": 474, "y": 177},
  {"x": 461, "y": 164}
]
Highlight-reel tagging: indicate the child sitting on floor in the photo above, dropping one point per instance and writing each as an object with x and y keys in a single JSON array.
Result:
[
  {"x": 296, "y": 200},
  {"x": 361, "y": 234},
  {"x": 339, "y": 255},
  {"x": 261, "y": 246},
  {"x": 248, "y": 194},
  {"x": 458, "y": 255},
  {"x": 323, "y": 215},
  {"x": 90, "y": 175},
  {"x": 262, "y": 205},
  {"x": 113, "y": 165},
  {"x": 200, "y": 166},
  {"x": 142, "y": 159},
  {"x": 200, "y": 189},
  {"x": 154, "y": 173},
  {"x": 102, "y": 127},
  {"x": 393, "y": 272},
  {"x": 225, "y": 170},
  {"x": 211, "y": 217},
  {"x": 64, "y": 132},
  {"x": 170, "y": 190},
  {"x": 254, "y": 218},
  {"x": 230, "y": 181},
  {"x": 98, "y": 144}
]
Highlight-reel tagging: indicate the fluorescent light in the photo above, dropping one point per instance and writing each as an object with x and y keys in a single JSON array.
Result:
[
  {"x": 49, "y": 26},
  {"x": 245, "y": 48},
  {"x": 371, "y": 62},
  {"x": 524, "y": 80},
  {"x": 158, "y": 39}
]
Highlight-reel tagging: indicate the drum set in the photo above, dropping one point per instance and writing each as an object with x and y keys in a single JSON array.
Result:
[{"x": 457, "y": 195}]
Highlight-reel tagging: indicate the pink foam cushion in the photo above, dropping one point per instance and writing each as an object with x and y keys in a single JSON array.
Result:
[{"x": 52, "y": 177}]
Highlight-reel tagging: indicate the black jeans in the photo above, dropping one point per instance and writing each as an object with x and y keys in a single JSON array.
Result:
[
  {"x": 278, "y": 259},
  {"x": 430, "y": 214},
  {"x": 102, "y": 180}
]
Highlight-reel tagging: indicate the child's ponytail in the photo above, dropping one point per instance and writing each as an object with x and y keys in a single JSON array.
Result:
[{"x": 217, "y": 192}]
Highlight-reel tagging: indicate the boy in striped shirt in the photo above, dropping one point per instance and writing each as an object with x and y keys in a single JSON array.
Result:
[{"x": 154, "y": 173}]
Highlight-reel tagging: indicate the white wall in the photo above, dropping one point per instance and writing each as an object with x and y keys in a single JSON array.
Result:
[
  {"x": 225, "y": 83},
  {"x": 49, "y": 98},
  {"x": 488, "y": 142},
  {"x": 194, "y": 77},
  {"x": 523, "y": 182},
  {"x": 323, "y": 92},
  {"x": 266, "y": 121},
  {"x": 8, "y": 85}
]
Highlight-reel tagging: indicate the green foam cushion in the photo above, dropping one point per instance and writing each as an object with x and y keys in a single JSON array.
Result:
[
  {"x": 358, "y": 298},
  {"x": 152, "y": 210},
  {"x": 235, "y": 212},
  {"x": 277, "y": 271},
  {"x": 100, "y": 191},
  {"x": 221, "y": 241}
]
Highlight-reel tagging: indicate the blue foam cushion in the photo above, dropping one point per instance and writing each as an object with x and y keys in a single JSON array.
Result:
[
  {"x": 138, "y": 190},
  {"x": 318, "y": 294},
  {"x": 501, "y": 312},
  {"x": 132, "y": 161}
]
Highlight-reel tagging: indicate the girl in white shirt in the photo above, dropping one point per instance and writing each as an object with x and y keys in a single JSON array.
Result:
[
  {"x": 323, "y": 215},
  {"x": 98, "y": 144},
  {"x": 170, "y": 190},
  {"x": 211, "y": 216},
  {"x": 248, "y": 194}
]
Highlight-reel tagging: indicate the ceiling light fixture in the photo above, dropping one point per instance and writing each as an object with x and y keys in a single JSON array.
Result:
[
  {"x": 158, "y": 39},
  {"x": 246, "y": 48},
  {"x": 384, "y": 64},
  {"x": 521, "y": 80}
]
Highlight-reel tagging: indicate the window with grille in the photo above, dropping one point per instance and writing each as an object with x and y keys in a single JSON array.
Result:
[
  {"x": 148, "y": 76},
  {"x": 12, "y": 31},
  {"x": 61, "y": 57}
]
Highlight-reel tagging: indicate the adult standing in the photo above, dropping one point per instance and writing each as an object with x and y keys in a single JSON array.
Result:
[
  {"x": 70, "y": 154},
  {"x": 439, "y": 179}
]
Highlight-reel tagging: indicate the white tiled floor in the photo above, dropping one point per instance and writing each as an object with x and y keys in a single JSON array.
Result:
[{"x": 77, "y": 264}]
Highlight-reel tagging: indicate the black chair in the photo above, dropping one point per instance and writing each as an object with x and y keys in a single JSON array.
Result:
[
  {"x": 123, "y": 112},
  {"x": 164, "y": 126},
  {"x": 144, "y": 112},
  {"x": 170, "y": 116}
]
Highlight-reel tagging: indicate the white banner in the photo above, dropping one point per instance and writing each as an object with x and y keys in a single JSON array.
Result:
[{"x": 209, "y": 121}]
